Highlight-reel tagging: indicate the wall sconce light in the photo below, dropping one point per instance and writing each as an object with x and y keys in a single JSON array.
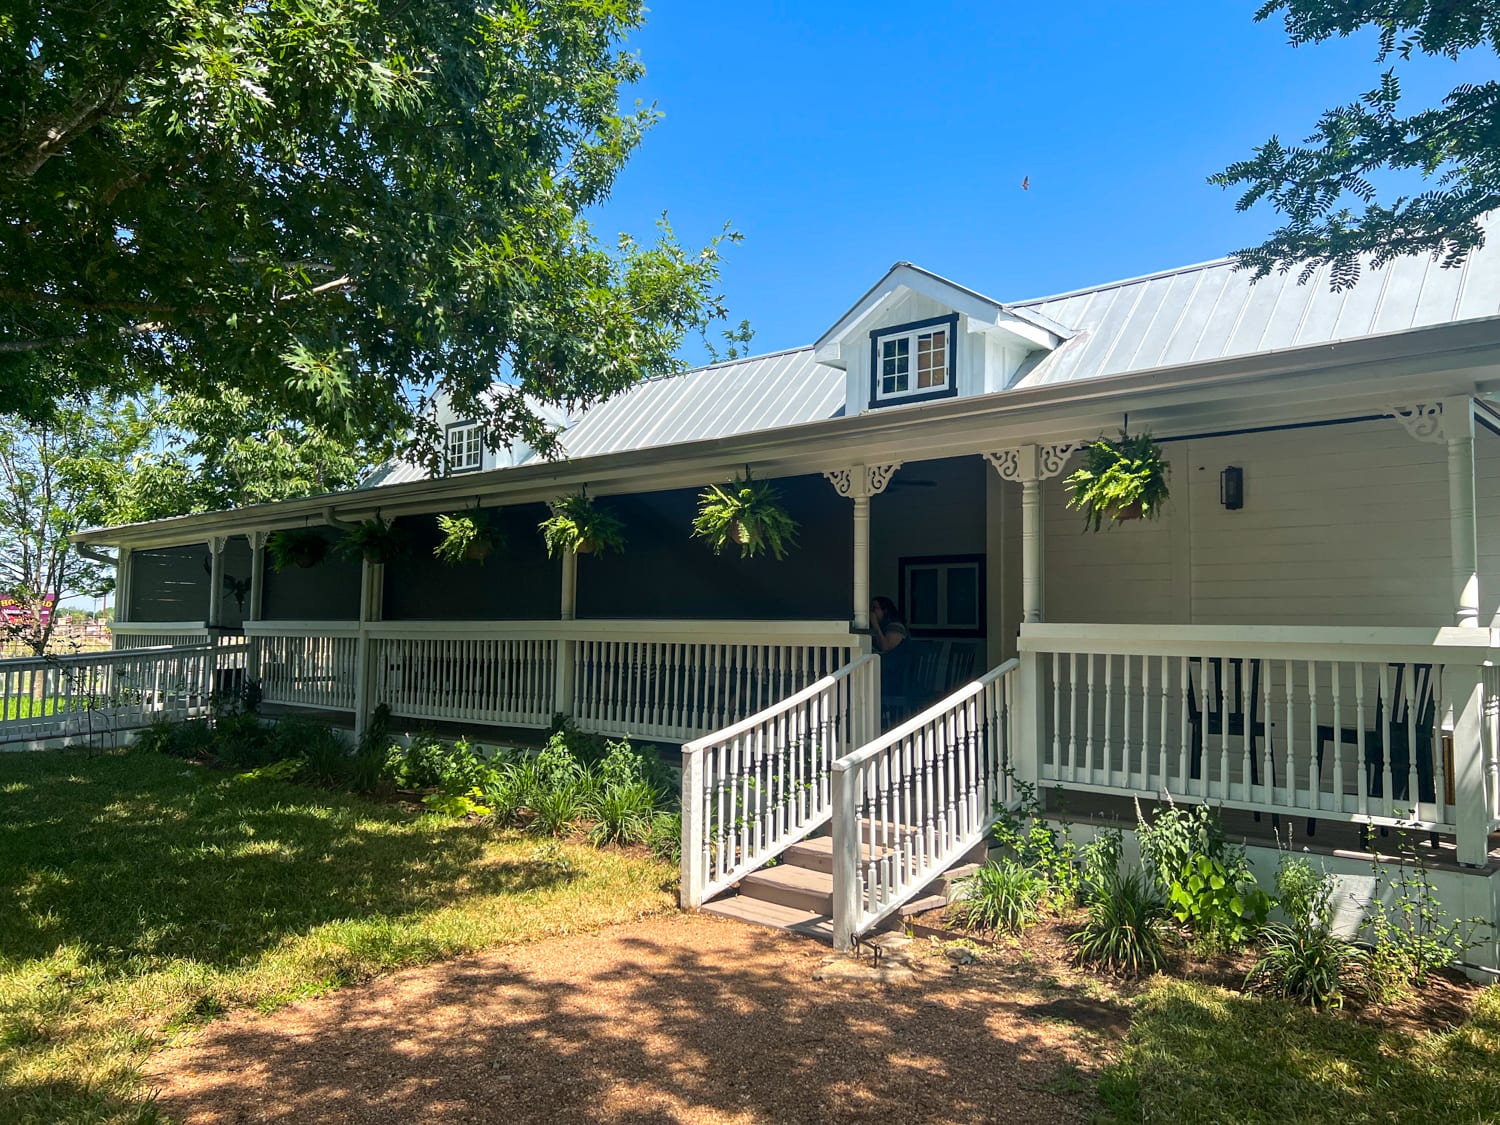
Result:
[{"x": 1232, "y": 488}]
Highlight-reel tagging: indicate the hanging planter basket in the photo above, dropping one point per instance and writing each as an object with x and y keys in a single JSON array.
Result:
[
  {"x": 375, "y": 541},
  {"x": 468, "y": 537},
  {"x": 579, "y": 526},
  {"x": 746, "y": 514},
  {"x": 1122, "y": 480},
  {"x": 299, "y": 547}
]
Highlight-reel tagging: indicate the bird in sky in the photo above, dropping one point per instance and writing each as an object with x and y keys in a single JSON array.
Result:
[{"x": 1026, "y": 184}]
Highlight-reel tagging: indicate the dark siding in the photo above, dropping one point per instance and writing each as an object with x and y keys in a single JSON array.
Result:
[
  {"x": 326, "y": 592},
  {"x": 516, "y": 583},
  {"x": 664, "y": 573},
  {"x": 171, "y": 583}
]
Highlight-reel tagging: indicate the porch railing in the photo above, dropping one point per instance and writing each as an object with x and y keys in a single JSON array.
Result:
[
  {"x": 909, "y": 804},
  {"x": 502, "y": 673},
  {"x": 156, "y": 634},
  {"x": 758, "y": 786},
  {"x": 59, "y": 698},
  {"x": 305, "y": 663},
  {"x": 1377, "y": 726}
]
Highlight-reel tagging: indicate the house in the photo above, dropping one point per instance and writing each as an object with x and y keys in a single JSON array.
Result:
[{"x": 1306, "y": 634}]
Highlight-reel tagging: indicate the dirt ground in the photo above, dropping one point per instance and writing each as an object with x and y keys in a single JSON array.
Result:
[{"x": 681, "y": 1018}]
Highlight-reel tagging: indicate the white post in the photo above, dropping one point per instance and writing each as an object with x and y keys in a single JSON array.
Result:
[
  {"x": 1031, "y": 550},
  {"x": 563, "y": 673},
  {"x": 216, "y": 581},
  {"x": 122, "y": 585},
  {"x": 845, "y": 854},
  {"x": 257, "y": 602},
  {"x": 1030, "y": 702},
  {"x": 861, "y": 616},
  {"x": 1463, "y": 532},
  {"x": 694, "y": 877},
  {"x": 371, "y": 592},
  {"x": 1464, "y": 686}
]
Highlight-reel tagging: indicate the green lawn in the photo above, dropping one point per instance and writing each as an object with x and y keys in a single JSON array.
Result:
[
  {"x": 140, "y": 895},
  {"x": 1196, "y": 1053}
]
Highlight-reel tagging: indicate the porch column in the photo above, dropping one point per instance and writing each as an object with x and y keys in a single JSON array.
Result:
[
  {"x": 216, "y": 546},
  {"x": 1030, "y": 465},
  {"x": 122, "y": 585},
  {"x": 371, "y": 609},
  {"x": 859, "y": 483},
  {"x": 567, "y": 648},
  {"x": 1450, "y": 422},
  {"x": 257, "y": 607}
]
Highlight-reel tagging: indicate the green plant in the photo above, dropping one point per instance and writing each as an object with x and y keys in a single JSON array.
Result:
[
  {"x": 1003, "y": 895},
  {"x": 1123, "y": 479},
  {"x": 746, "y": 514},
  {"x": 327, "y": 758},
  {"x": 240, "y": 740},
  {"x": 370, "y": 754},
  {"x": 1099, "y": 864},
  {"x": 1207, "y": 882},
  {"x": 374, "y": 540},
  {"x": 1411, "y": 933},
  {"x": 623, "y": 812},
  {"x": 468, "y": 537},
  {"x": 556, "y": 809},
  {"x": 458, "y": 805},
  {"x": 1302, "y": 958},
  {"x": 296, "y": 546},
  {"x": 664, "y": 837},
  {"x": 579, "y": 525},
  {"x": 1123, "y": 933},
  {"x": 1026, "y": 833},
  {"x": 430, "y": 763}
]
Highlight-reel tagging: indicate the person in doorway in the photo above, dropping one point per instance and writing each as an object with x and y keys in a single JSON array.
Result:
[{"x": 888, "y": 635}]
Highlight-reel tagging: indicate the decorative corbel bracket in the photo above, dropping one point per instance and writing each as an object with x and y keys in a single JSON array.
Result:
[
  {"x": 1032, "y": 462},
  {"x": 258, "y": 540},
  {"x": 862, "y": 481}
]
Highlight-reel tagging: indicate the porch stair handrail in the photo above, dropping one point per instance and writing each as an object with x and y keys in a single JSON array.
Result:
[
  {"x": 758, "y": 786},
  {"x": 909, "y": 804}
]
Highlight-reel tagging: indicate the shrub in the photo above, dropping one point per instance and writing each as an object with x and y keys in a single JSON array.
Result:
[
  {"x": 1030, "y": 838},
  {"x": 326, "y": 756},
  {"x": 1412, "y": 934},
  {"x": 1124, "y": 929},
  {"x": 1207, "y": 882},
  {"x": 623, "y": 811},
  {"x": 1003, "y": 895},
  {"x": 664, "y": 837},
  {"x": 1303, "y": 959},
  {"x": 431, "y": 763},
  {"x": 557, "y": 808},
  {"x": 1099, "y": 864}
]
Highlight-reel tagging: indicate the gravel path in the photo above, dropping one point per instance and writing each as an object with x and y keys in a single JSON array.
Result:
[{"x": 681, "y": 1018}]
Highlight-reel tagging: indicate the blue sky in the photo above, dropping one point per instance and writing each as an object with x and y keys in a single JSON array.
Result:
[{"x": 841, "y": 137}]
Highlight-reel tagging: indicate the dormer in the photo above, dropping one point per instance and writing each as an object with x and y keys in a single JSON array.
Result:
[{"x": 917, "y": 337}]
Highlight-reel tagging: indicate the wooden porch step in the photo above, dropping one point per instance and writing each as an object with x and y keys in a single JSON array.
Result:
[
  {"x": 816, "y": 854},
  {"x": 800, "y": 888},
  {"x": 759, "y": 912}
]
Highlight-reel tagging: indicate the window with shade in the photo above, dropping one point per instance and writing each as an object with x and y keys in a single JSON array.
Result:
[
  {"x": 913, "y": 362},
  {"x": 943, "y": 595}
]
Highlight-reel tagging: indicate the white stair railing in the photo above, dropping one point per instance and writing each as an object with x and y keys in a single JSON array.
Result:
[
  {"x": 753, "y": 789},
  {"x": 912, "y": 802}
]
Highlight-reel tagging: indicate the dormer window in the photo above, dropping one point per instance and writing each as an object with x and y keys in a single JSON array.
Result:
[
  {"x": 465, "y": 447},
  {"x": 913, "y": 362}
]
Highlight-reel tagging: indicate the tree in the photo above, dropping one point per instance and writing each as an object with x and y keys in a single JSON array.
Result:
[
  {"x": 55, "y": 479},
  {"x": 339, "y": 208},
  {"x": 1456, "y": 147},
  {"x": 214, "y": 454}
]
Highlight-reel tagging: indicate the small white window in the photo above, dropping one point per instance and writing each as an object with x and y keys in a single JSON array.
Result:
[
  {"x": 465, "y": 447},
  {"x": 913, "y": 361}
]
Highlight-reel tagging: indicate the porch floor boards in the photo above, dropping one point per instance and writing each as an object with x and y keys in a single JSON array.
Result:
[{"x": 1240, "y": 826}]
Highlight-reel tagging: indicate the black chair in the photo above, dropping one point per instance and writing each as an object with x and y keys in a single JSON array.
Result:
[
  {"x": 907, "y": 675},
  {"x": 1217, "y": 721},
  {"x": 1392, "y": 735}
]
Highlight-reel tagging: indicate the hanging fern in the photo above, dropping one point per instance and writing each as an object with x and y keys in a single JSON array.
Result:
[
  {"x": 468, "y": 537},
  {"x": 745, "y": 514},
  {"x": 1123, "y": 480},
  {"x": 374, "y": 540},
  {"x": 296, "y": 546},
  {"x": 578, "y": 525}
]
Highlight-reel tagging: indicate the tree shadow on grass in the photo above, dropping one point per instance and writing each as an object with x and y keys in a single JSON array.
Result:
[
  {"x": 136, "y": 856},
  {"x": 633, "y": 1030}
]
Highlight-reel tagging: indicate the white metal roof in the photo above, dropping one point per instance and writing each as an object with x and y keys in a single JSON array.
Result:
[
  {"x": 760, "y": 393},
  {"x": 1213, "y": 311}
]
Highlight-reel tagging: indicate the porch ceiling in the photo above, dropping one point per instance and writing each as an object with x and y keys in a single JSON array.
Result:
[{"x": 1315, "y": 383}]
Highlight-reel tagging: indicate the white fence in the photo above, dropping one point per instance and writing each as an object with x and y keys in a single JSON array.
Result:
[
  {"x": 506, "y": 680},
  {"x": 57, "y": 699},
  {"x": 753, "y": 789},
  {"x": 1378, "y": 726},
  {"x": 909, "y": 804}
]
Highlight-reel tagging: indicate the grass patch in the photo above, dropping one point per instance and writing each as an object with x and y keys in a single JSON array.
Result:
[
  {"x": 141, "y": 895},
  {"x": 1199, "y": 1053}
]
